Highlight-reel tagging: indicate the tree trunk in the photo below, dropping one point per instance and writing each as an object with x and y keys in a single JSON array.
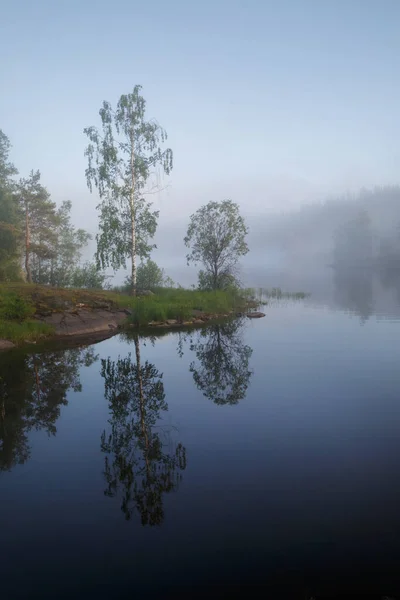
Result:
[
  {"x": 215, "y": 277},
  {"x": 52, "y": 272},
  {"x": 133, "y": 223},
  {"x": 27, "y": 245},
  {"x": 142, "y": 407}
]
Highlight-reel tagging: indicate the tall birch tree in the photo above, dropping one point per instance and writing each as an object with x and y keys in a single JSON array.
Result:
[{"x": 122, "y": 157}]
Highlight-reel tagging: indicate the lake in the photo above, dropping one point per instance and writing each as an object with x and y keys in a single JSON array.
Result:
[{"x": 261, "y": 452}]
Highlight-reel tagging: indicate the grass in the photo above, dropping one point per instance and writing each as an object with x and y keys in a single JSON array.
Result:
[
  {"x": 16, "y": 323},
  {"x": 21, "y": 302},
  {"x": 274, "y": 293},
  {"x": 180, "y": 304},
  {"x": 18, "y": 333}
]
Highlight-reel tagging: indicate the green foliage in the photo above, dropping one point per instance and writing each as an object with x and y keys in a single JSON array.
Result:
[
  {"x": 279, "y": 294},
  {"x": 30, "y": 221},
  {"x": 179, "y": 304},
  {"x": 9, "y": 217},
  {"x": 7, "y": 169},
  {"x": 146, "y": 310},
  {"x": 88, "y": 276},
  {"x": 41, "y": 222},
  {"x": 21, "y": 332},
  {"x": 216, "y": 238},
  {"x": 15, "y": 308},
  {"x": 10, "y": 236},
  {"x": 121, "y": 160},
  {"x": 68, "y": 246},
  {"x": 225, "y": 281},
  {"x": 149, "y": 275}
]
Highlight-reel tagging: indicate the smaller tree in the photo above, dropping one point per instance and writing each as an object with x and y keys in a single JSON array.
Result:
[
  {"x": 216, "y": 238},
  {"x": 88, "y": 276},
  {"x": 69, "y": 244},
  {"x": 149, "y": 275}
]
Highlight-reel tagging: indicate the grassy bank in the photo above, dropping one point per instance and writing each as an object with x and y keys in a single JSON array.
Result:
[
  {"x": 182, "y": 305},
  {"x": 22, "y": 305}
]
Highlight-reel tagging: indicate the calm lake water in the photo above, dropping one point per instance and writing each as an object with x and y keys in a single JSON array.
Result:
[{"x": 254, "y": 452}]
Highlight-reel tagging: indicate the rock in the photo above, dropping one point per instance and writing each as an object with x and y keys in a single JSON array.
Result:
[
  {"x": 59, "y": 303},
  {"x": 144, "y": 293},
  {"x": 127, "y": 311},
  {"x": 255, "y": 315},
  {"x": 85, "y": 321},
  {"x": 6, "y": 345},
  {"x": 171, "y": 321},
  {"x": 98, "y": 304}
]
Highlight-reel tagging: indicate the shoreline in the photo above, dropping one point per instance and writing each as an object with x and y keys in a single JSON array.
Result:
[
  {"x": 86, "y": 326},
  {"x": 31, "y": 314}
]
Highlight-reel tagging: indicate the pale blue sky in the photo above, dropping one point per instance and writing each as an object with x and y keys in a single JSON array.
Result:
[{"x": 267, "y": 102}]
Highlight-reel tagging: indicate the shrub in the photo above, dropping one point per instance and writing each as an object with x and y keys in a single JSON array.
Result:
[{"x": 15, "y": 308}]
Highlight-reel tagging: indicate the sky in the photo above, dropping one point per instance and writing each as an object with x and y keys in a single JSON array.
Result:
[{"x": 269, "y": 103}]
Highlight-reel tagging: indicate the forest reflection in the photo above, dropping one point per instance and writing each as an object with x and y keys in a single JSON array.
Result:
[{"x": 33, "y": 388}]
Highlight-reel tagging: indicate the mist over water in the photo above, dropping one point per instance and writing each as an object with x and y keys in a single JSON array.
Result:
[{"x": 345, "y": 252}]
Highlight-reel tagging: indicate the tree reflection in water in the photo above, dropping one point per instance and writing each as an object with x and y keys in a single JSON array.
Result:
[
  {"x": 139, "y": 464},
  {"x": 221, "y": 369},
  {"x": 32, "y": 390}
]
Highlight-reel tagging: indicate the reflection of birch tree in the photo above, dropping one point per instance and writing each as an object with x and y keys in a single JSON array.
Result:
[
  {"x": 221, "y": 370},
  {"x": 139, "y": 465},
  {"x": 32, "y": 390}
]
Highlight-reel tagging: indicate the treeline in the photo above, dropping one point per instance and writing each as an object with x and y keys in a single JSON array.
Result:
[
  {"x": 38, "y": 242},
  {"x": 314, "y": 233},
  {"x": 360, "y": 242}
]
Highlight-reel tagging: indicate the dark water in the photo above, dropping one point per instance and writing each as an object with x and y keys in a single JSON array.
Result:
[{"x": 253, "y": 453}]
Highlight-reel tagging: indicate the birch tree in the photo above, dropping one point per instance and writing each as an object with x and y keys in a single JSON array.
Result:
[{"x": 122, "y": 157}]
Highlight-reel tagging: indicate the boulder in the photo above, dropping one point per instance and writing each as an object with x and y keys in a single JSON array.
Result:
[
  {"x": 85, "y": 321},
  {"x": 255, "y": 315},
  {"x": 6, "y": 345}
]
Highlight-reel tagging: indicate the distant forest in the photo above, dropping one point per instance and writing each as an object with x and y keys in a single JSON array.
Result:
[
  {"x": 350, "y": 231},
  {"x": 344, "y": 251}
]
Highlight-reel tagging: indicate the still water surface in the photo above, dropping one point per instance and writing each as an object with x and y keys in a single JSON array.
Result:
[{"x": 253, "y": 452}]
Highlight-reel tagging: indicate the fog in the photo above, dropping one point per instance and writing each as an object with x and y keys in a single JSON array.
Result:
[{"x": 344, "y": 250}]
